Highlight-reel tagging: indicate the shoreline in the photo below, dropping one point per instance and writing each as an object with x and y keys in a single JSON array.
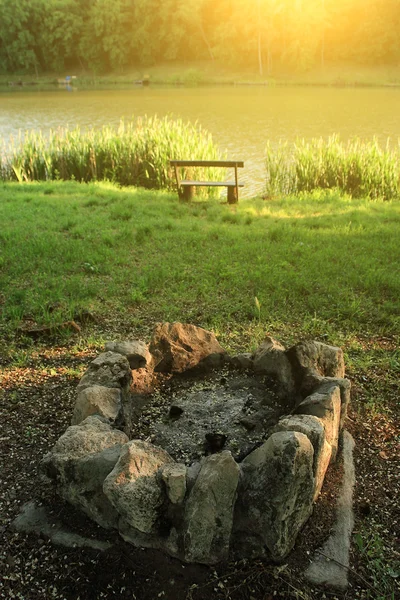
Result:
[{"x": 203, "y": 74}]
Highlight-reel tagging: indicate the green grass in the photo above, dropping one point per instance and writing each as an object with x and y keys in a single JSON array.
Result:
[
  {"x": 322, "y": 264},
  {"x": 137, "y": 153},
  {"x": 362, "y": 169},
  {"x": 318, "y": 265},
  {"x": 382, "y": 569}
]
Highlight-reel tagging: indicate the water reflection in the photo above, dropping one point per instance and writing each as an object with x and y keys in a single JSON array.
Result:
[{"x": 241, "y": 119}]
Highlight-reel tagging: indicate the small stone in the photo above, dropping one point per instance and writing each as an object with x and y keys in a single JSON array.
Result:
[
  {"x": 325, "y": 404},
  {"x": 215, "y": 441},
  {"x": 174, "y": 477},
  {"x": 270, "y": 358},
  {"x": 98, "y": 400},
  {"x": 175, "y": 412},
  {"x": 135, "y": 351},
  {"x": 242, "y": 361}
]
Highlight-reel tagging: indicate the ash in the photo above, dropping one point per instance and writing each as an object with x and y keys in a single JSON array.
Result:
[{"x": 191, "y": 418}]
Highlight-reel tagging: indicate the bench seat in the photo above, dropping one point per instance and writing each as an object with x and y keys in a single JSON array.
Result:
[
  {"x": 186, "y": 187},
  {"x": 212, "y": 183}
]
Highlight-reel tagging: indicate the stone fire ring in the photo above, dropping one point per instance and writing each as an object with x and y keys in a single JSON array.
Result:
[{"x": 202, "y": 510}]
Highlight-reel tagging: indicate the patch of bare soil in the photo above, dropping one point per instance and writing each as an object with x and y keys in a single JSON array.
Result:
[{"x": 36, "y": 403}]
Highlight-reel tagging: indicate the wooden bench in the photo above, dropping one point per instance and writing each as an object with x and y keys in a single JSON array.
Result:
[{"x": 186, "y": 187}]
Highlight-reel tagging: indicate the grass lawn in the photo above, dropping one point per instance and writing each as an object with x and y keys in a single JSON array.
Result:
[{"x": 320, "y": 266}]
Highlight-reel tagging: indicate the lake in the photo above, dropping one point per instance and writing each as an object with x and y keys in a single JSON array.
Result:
[{"x": 240, "y": 118}]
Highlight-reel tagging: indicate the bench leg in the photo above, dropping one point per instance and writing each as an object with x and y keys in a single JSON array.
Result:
[
  {"x": 186, "y": 193},
  {"x": 232, "y": 195}
]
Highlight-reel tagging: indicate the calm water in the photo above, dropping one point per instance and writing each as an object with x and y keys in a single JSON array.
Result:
[{"x": 241, "y": 119}]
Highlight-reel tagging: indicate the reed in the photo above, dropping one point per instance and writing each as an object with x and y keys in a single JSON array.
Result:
[
  {"x": 361, "y": 169},
  {"x": 136, "y": 153}
]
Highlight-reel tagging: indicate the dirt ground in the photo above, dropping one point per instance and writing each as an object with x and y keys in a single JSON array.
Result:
[{"x": 36, "y": 402}]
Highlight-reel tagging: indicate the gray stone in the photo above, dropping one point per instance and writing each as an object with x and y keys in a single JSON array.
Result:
[
  {"x": 134, "y": 487},
  {"x": 313, "y": 428},
  {"x": 111, "y": 370},
  {"x": 176, "y": 348},
  {"x": 168, "y": 544},
  {"x": 315, "y": 383},
  {"x": 209, "y": 510},
  {"x": 270, "y": 358},
  {"x": 325, "y": 405},
  {"x": 242, "y": 361},
  {"x": 135, "y": 351},
  {"x": 276, "y": 493},
  {"x": 330, "y": 565},
  {"x": 98, "y": 400},
  {"x": 79, "y": 463},
  {"x": 174, "y": 477},
  {"x": 35, "y": 519},
  {"x": 315, "y": 358}
]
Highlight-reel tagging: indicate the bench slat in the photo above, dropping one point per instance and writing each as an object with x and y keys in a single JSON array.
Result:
[
  {"x": 212, "y": 183},
  {"x": 206, "y": 163}
]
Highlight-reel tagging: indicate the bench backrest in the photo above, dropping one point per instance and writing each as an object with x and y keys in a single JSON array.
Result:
[{"x": 207, "y": 163}]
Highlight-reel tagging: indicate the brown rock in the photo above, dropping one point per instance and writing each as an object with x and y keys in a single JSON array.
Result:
[{"x": 177, "y": 348}]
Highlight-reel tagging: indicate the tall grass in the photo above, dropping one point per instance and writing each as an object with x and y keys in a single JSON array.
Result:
[
  {"x": 137, "y": 153},
  {"x": 361, "y": 169}
]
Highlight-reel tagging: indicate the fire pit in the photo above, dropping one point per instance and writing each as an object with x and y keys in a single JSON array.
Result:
[{"x": 184, "y": 448}]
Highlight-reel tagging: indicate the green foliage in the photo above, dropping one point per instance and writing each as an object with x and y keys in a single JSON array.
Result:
[
  {"x": 99, "y": 35},
  {"x": 382, "y": 570},
  {"x": 137, "y": 153},
  {"x": 358, "y": 168}
]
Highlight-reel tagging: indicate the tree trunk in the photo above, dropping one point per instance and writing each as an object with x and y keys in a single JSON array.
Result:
[
  {"x": 260, "y": 64},
  {"x": 203, "y": 34}
]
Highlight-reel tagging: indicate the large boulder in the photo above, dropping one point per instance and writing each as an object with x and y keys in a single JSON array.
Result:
[
  {"x": 98, "y": 400},
  {"x": 276, "y": 494},
  {"x": 176, "y": 348},
  {"x": 135, "y": 351},
  {"x": 209, "y": 510},
  {"x": 314, "y": 429},
  {"x": 80, "y": 461},
  {"x": 134, "y": 486},
  {"x": 111, "y": 370},
  {"x": 270, "y": 358}
]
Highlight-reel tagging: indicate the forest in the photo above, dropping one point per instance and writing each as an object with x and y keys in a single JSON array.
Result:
[{"x": 99, "y": 36}]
